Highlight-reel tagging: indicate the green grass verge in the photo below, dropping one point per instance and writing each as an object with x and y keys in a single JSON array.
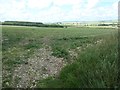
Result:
[{"x": 96, "y": 67}]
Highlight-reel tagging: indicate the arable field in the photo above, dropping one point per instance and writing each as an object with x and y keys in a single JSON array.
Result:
[{"x": 59, "y": 57}]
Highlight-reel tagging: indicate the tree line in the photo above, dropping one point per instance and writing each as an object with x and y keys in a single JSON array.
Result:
[{"x": 37, "y": 24}]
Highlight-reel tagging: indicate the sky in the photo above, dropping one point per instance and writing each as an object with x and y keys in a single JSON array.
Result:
[{"x": 58, "y": 10}]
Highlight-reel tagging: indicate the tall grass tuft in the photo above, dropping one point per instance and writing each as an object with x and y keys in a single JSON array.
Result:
[{"x": 96, "y": 67}]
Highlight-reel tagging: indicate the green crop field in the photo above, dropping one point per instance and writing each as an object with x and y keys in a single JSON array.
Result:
[{"x": 59, "y": 57}]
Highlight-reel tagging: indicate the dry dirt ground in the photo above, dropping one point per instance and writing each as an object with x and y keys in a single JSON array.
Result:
[{"x": 39, "y": 66}]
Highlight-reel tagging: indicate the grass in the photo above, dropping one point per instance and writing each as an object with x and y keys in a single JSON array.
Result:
[
  {"x": 95, "y": 65},
  {"x": 60, "y": 52}
]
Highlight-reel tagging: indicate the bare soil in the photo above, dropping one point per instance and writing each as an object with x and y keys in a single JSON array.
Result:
[{"x": 39, "y": 66}]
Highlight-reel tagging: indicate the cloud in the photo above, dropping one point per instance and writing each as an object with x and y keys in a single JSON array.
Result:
[
  {"x": 40, "y": 4},
  {"x": 57, "y": 10},
  {"x": 12, "y": 9},
  {"x": 66, "y": 2},
  {"x": 92, "y": 3},
  {"x": 54, "y": 14},
  {"x": 115, "y": 5}
]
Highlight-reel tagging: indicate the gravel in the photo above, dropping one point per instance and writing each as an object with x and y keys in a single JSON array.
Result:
[{"x": 39, "y": 66}]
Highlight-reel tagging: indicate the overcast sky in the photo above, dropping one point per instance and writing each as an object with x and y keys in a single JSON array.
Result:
[{"x": 58, "y": 10}]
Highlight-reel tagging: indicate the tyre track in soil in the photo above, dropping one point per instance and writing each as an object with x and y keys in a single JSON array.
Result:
[{"x": 39, "y": 66}]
